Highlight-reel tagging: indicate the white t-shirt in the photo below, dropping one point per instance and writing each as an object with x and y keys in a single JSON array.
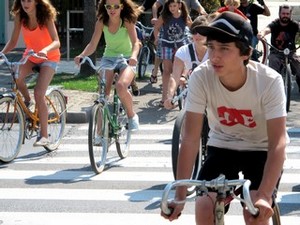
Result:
[
  {"x": 183, "y": 54},
  {"x": 237, "y": 119}
]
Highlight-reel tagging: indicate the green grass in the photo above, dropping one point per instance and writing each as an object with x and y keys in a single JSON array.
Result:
[
  {"x": 75, "y": 82},
  {"x": 78, "y": 82}
]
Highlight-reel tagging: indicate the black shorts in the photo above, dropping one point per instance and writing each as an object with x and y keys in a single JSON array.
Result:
[{"x": 231, "y": 162}]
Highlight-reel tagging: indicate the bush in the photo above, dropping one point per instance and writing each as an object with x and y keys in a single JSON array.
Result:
[{"x": 211, "y": 5}]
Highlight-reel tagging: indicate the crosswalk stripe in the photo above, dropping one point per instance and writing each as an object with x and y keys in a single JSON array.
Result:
[
  {"x": 131, "y": 161},
  {"x": 37, "y": 218},
  {"x": 133, "y": 147},
  {"x": 147, "y": 162},
  {"x": 107, "y": 176},
  {"x": 110, "y": 195}
]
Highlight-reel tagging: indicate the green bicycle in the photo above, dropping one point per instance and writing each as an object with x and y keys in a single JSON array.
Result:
[{"x": 107, "y": 124}]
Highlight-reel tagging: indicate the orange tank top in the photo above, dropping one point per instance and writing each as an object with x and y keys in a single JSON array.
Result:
[{"x": 36, "y": 40}]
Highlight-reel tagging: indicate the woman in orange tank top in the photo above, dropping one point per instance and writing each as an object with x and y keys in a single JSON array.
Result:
[{"x": 36, "y": 20}]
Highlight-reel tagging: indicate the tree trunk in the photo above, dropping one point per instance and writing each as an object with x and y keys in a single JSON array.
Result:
[{"x": 89, "y": 20}]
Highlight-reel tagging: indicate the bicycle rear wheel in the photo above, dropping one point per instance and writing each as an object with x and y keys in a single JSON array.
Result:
[
  {"x": 276, "y": 215},
  {"x": 287, "y": 79},
  {"x": 11, "y": 129},
  {"x": 176, "y": 140},
  {"x": 57, "y": 117},
  {"x": 98, "y": 138},
  {"x": 143, "y": 61},
  {"x": 123, "y": 136}
]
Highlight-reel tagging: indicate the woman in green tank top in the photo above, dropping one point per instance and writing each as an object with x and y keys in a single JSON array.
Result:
[{"x": 116, "y": 20}]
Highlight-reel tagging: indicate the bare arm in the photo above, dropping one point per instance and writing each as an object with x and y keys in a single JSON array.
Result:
[
  {"x": 92, "y": 45},
  {"x": 276, "y": 155},
  {"x": 178, "y": 70},
  {"x": 134, "y": 41},
  {"x": 156, "y": 30},
  {"x": 187, "y": 154},
  {"x": 262, "y": 198},
  {"x": 155, "y": 7},
  {"x": 266, "y": 10},
  {"x": 261, "y": 34}
]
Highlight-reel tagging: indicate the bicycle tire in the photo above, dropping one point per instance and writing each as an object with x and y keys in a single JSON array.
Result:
[
  {"x": 276, "y": 216},
  {"x": 143, "y": 61},
  {"x": 287, "y": 79},
  {"x": 176, "y": 139},
  {"x": 123, "y": 135},
  {"x": 261, "y": 52},
  {"x": 12, "y": 128},
  {"x": 57, "y": 117},
  {"x": 98, "y": 151},
  {"x": 180, "y": 103}
]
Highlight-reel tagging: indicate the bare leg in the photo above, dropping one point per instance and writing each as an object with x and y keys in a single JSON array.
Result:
[
  {"x": 166, "y": 77},
  {"x": 25, "y": 70},
  {"x": 122, "y": 84},
  {"x": 44, "y": 79},
  {"x": 204, "y": 210}
]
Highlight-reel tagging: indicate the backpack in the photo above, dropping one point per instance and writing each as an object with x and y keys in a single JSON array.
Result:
[{"x": 193, "y": 57}]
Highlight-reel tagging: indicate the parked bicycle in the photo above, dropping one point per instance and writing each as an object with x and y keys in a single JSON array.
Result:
[
  {"x": 107, "y": 124},
  {"x": 17, "y": 122},
  {"x": 285, "y": 71},
  {"x": 226, "y": 190}
]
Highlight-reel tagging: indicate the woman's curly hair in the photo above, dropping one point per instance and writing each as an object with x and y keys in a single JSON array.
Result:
[
  {"x": 45, "y": 11},
  {"x": 129, "y": 13}
]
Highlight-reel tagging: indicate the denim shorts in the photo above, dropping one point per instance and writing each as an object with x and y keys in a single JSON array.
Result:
[
  {"x": 113, "y": 63},
  {"x": 50, "y": 64}
]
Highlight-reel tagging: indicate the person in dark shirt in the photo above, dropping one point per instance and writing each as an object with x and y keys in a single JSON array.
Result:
[
  {"x": 283, "y": 34},
  {"x": 251, "y": 11}
]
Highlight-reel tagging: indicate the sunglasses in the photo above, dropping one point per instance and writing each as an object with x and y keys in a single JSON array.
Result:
[{"x": 113, "y": 6}]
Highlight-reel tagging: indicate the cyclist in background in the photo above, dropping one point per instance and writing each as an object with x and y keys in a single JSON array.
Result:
[
  {"x": 116, "y": 20},
  {"x": 156, "y": 8},
  {"x": 36, "y": 20},
  {"x": 174, "y": 20},
  {"x": 186, "y": 58},
  {"x": 252, "y": 11},
  {"x": 283, "y": 34},
  {"x": 245, "y": 105}
]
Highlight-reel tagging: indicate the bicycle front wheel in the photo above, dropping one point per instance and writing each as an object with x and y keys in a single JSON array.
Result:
[
  {"x": 57, "y": 116},
  {"x": 143, "y": 62},
  {"x": 98, "y": 138},
  {"x": 287, "y": 79},
  {"x": 11, "y": 129},
  {"x": 261, "y": 52},
  {"x": 123, "y": 136}
]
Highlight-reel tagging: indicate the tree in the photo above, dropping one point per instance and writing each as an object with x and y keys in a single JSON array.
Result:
[{"x": 89, "y": 19}]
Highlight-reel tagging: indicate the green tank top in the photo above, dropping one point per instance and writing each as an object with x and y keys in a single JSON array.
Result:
[{"x": 117, "y": 43}]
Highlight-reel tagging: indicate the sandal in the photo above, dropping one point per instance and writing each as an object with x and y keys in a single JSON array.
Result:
[{"x": 153, "y": 79}]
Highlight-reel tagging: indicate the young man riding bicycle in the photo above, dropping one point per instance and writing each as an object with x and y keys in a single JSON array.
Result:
[{"x": 245, "y": 105}]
